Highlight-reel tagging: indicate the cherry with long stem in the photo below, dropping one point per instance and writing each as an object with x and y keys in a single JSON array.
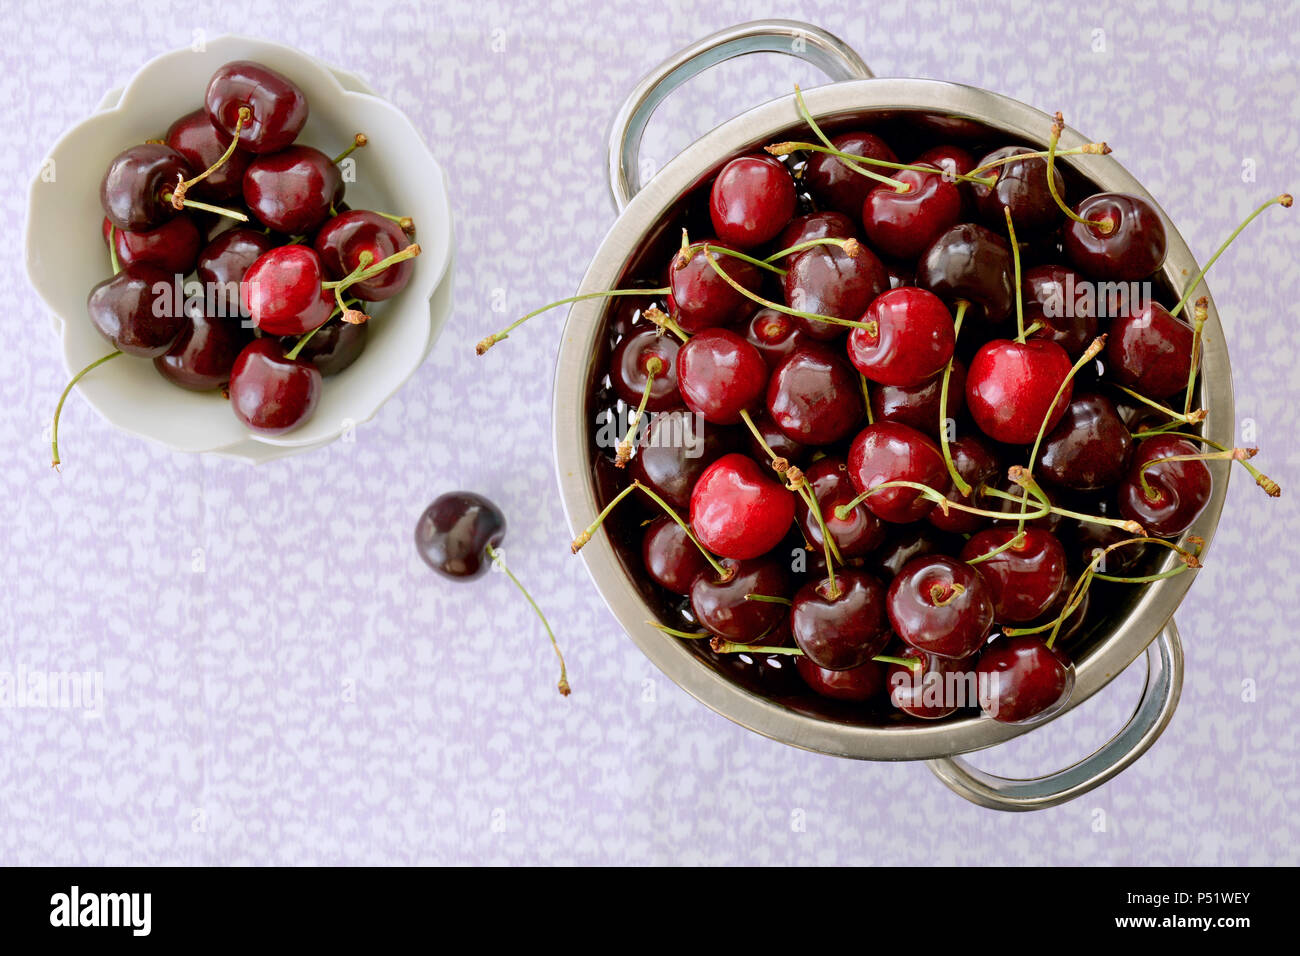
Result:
[
  {"x": 1087, "y": 149},
  {"x": 1104, "y": 226},
  {"x": 1271, "y": 487},
  {"x": 499, "y": 560},
  {"x": 850, "y": 247},
  {"x": 496, "y": 337}
]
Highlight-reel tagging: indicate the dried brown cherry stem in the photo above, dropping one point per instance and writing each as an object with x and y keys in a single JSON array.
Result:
[
  {"x": 961, "y": 484},
  {"x": 1283, "y": 200},
  {"x": 1271, "y": 487},
  {"x": 183, "y": 185},
  {"x": 654, "y": 367},
  {"x": 492, "y": 340},
  {"x": 1104, "y": 226}
]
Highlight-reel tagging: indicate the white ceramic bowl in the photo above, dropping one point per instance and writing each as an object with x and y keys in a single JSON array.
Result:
[{"x": 66, "y": 255}]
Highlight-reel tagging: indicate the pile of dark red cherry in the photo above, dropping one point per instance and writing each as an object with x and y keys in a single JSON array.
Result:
[
  {"x": 924, "y": 439},
  {"x": 285, "y": 267}
]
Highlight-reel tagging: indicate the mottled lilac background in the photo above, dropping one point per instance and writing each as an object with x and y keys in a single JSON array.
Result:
[{"x": 315, "y": 695}]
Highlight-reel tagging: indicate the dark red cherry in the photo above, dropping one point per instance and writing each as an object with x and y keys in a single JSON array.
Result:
[
  {"x": 1130, "y": 247},
  {"x": 929, "y": 690},
  {"x": 277, "y": 105},
  {"x": 751, "y": 201},
  {"x": 1025, "y": 578},
  {"x": 334, "y": 346},
  {"x": 1164, "y": 497},
  {"x": 1012, "y": 386},
  {"x": 917, "y": 406},
  {"x": 941, "y": 605},
  {"x": 455, "y": 532},
  {"x": 342, "y": 240},
  {"x": 172, "y": 247},
  {"x": 222, "y": 265},
  {"x": 1021, "y": 187},
  {"x": 1089, "y": 448},
  {"x": 814, "y": 396},
  {"x": 834, "y": 183},
  {"x": 283, "y": 293},
  {"x": 905, "y": 542},
  {"x": 781, "y": 444},
  {"x": 700, "y": 298},
  {"x": 1023, "y": 503},
  {"x": 826, "y": 280},
  {"x": 976, "y": 464},
  {"x": 844, "y": 629},
  {"x": 953, "y": 160},
  {"x": 856, "y": 684},
  {"x": 721, "y": 607},
  {"x": 885, "y": 452},
  {"x": 270, "y": 393},
  {"x": 903, "y": 224},
  {"x": 671, "y": 558},
  {"x": 856, "y": 535},
  {"x": 775, "y": 335},
  {"x": 677, "y": 449},
  {"x": 1072, "y": 626},
  {"x": 826, "y": 224},
  {"x": 138, "y": 310},
  {"x": 292, "y": 191},
  {"x": 205, "y": 352},
  {"x": 1089, "y": 538},
  {"x": 969, "y": 262},
  {"x": 1056, "y": 298},
  {"x": 202, "y": 144},
  {"x": 1020, "y": 678},
  {"x": 1150, "y": 351},
  {"x": 908, "y": 339},
  {"x": 135, "y": 183},
  {"x": 737, "y": 510},
  {"x": 720, "y": 375},
  {"x": 629, "y": 369}
]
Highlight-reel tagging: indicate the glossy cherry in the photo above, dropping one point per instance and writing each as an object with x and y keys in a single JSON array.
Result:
[
  {"x": 1021, "y": 187},
  {"x": 342, "y": 240},
  {"x": 270, "y": 393},
  {"x": 777, "y": 442},
  {"x": 334, "y": 346},
  {"x": 205, "y": 352},
  {"x": 720, "y": 375},
  {"x": 843, "y": 629},
  {"x": 972, "y": 263},
  {"x": 977, "y": 464},
  {"x": 1021, "y": 678},
  {"x": 1150, "y": 350},
  {"x": 1054, "y": 298},
  {"x": 903, "y": 224},
  {"x": 856, "y": 535},
  {"x": 671, "y": 558},
  {"x": 454, "y": 533},
  {"x": 1089, "y": 538},
  {"x": 283, "y": 293},
  {"x": 953, "y": 160},
  {"x": 941, "y": 605},
  {"x": 834, "y": 183},
  {"x": 135, "y": 183},
  {"x": 886, "y": 452},
  {"x": 775, "y": 335},
  {"x": 202, "y": 145},
  {"x": 917, "y": 406},
  {"x": 278, "y": 107},
  {"x": 856, "y": 684},
  {"x": 700, "y": 298},
  {"x": 814, "y": 397},
  {"x": 1089, "y": 448},
  {"x": 826, "y": 280},
  {"x": 1024, "y": 579},
  {"x": 1164, "y": 497},
  {"x": 924, "y": 691},
  {"x": 675, "y": 453},
  {"x": 908, "y": 339},
  {"x": 1129, "y": 247},
  {"x": 172, "y": 247},
  {"x": 293, "y": 191},
  {"x": 751, "y": 201},
  {"x": 737, "y": 510},
  {"x": 629, "y": 369},
  {"x": 826, "y": 224},
  {"x": 1012, "y": 386},
  {"x": 722, "y": 608},
  {"x": 905, "y": 542},
  {"x": 137, "y": 310}
]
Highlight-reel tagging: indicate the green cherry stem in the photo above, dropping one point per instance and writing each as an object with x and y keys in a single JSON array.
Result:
[
  {"x": 499, "y": 560},
  {"x": 1200, "y": 313},
  {"x": 358, "y": 141},
  {"x": 1192, "y": 418},
  {"x": 776, "y": 306},
  {"x": 1104, "y": 226},
  {"x": 1283, "y": 200},
  {"x": 684, "y": 635},
  {"x": 842, "y": 512},
  {"x": 744, "y": 257},
  {"x": 306, "y": 336},
  {"x": 851, "y": 247},
  {"x": 654, "y": 367},
  {"x": 170, "y": 197},
  {"x": 769, "y": 599},
  {"x": 1271, "y": 487},
  {"x": 183, "y": 185},
  {"x": 961, "y": 484},
  {"x": 58, "y": 409},
  {"x": 1087, "y": 149},
  {"x": 1013, "y": 542},
  {"x": 1015, "y": 258},
  {"x": 493, "y": 339},
  {"x": 851, "y": 159}
]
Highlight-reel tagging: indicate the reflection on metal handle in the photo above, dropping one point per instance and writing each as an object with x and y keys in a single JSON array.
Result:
[
  {"x": 1159, "y": 698},
  {"x": 807, "y": 42}
]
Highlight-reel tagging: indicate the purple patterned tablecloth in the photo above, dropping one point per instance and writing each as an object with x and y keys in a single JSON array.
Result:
[{"x": 285, "y": 682}]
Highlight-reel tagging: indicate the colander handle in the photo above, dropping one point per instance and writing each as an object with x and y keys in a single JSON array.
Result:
[
  {"x": 1159, "y": 698},
  {"x": 803, "y": 40}
]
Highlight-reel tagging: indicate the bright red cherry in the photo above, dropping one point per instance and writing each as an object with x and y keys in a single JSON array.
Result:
[
  {"x": 844, "y": 629},
  {"x": 972, "y": 263},
  {"x": 270, "y": 393},
  {"x": 834, "y": 183},
  {"x": 1150, "y": 351},
  {"x": 826, "y": 280},
  {"x": 941, "y": 605},
  {"x": 293, "y": 191},
  {"x": 1130, "y": 246},
  {"x": 720, "y": 375},
  {"x": 903, "y": 224},
  {"x": 629, "y": 368},
  {"x": 856, "y": 535},
  {"x": 1089, "y": 448},
  {"x": 1164, "y": 497},
  {"x": 1011, "y": 387},
  {"x": 886, "y": 452},
  {"x": 814, "y": 397},
  {"x": 202, "y": 144},
  {"x": 701, "y": 298},
  {"x": 172, "y": 247},
  {"x": 1021, "y": 678},
  {"x": 277, "y": 105},
  {"x": 856, "y": 684},
  {"x": 1023, "y": 579},
  {"x": 737, "y": 511},
  {"x": 908, "y": 339},
  {"x": 775, "y": 335},
  {"x": 342, "y": 240},
  {"x": 722, "y": 608},
  {"x": 751, "y": 201},
  {"x": 283, "y": 291}
]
